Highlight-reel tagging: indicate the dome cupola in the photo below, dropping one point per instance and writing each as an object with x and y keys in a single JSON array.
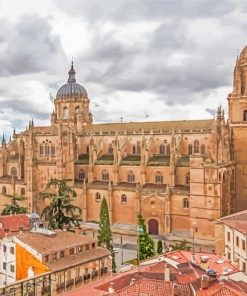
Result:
[{"x": 71, "y": 89}]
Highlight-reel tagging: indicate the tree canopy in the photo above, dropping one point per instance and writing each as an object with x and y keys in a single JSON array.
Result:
[
  {"x": 61, "y": 210},
  {"x": 14, "y": 208}
]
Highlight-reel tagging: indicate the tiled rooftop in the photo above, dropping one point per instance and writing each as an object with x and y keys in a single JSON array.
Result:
[
  {"x": 237, "y": 221},
  {"x": 13, "y": 223}
]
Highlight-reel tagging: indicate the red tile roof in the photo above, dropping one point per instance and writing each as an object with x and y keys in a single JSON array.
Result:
[
  {"x": 212, "y": 261},
  {"x": 237, "y": 221},
  {"x": 13, "y": 222},
  {"x": 221, "y": 290}
]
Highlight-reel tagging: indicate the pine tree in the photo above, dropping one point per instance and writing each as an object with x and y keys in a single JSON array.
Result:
[
  {"x": 145, "y": 241},
  {"x": 14, "y": 208},
  {"x": 60, "y": 211},
  {"x": 159, "y": 247},
  {"x": 104, "y": 232}
]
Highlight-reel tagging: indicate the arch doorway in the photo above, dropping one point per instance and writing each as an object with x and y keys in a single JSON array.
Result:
[{"x": 153, "y": 227}]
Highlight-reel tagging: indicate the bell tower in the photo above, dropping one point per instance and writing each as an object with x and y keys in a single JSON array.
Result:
[
  {"x": 237, "y": 115},
  {"x": 72, "y": 105}
]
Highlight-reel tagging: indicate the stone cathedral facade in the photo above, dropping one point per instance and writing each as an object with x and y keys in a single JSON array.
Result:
[{"x": 181, "y": 175}]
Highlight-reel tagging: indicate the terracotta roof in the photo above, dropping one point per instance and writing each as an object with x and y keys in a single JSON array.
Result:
[
  {"x": 147, "y": 126},
  {"x": 148, "y": 287},
  {"x": 237, "y": 221},
  {"x": 221, "y": 290},
  {"x": 212, "y": 261},
  {"x": 13, "y": 223},
  {"x": 60, "y": 240},
  {"x": 79, "y": 258}
]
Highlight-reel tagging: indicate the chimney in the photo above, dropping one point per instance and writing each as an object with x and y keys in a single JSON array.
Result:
[
  {"x": 65, "y": 227},
  {"x": 193, "y": 258},
  {"x": 78, "y": 230},
  {"x": 6, "y": 231},
  {"x": 132, "y": 281},
  {"x": 111, "y": 289},
  {"x": 167, "y": 273},
  {"x": 204, "y": 282},
  {"x": 176, "y": 291},
  {"x": 20, "y": 230}
]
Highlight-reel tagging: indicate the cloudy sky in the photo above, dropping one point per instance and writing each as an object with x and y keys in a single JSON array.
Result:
[{"x": 138, "y": 59}]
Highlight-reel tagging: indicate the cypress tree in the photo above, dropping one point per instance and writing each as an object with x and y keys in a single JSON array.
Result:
[
  {"x": 145, "y": 241},
  {"x": 159, "y": 247},
  {"x": 104, "y": 233}
]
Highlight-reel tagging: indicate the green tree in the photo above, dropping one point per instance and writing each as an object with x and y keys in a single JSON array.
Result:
[
  {"x": 61, "y": 210},
  {"x": 159, "y": 247},
  {"x": 181, "y": 245},
  {"x": 104, "y": 232},
  {"x": 145, "y": 241},
  {"x": 14, "y": 208}
]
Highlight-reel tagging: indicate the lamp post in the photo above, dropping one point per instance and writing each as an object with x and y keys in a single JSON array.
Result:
[
  {"x": 194, "y": 228},
  {"x": 121, "y": 242},
  {"x": 139, "y": 232}
]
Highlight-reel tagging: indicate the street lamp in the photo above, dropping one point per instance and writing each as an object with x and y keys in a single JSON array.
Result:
[
  {"x": 140, "y": 231},
  {"x": 195, "y": 228}
]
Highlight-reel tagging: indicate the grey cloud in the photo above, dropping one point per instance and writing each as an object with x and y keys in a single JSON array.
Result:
[{"x": 29, "y": 46}]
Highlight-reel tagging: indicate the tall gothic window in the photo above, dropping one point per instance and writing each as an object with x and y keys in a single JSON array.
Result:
[
  {"x": 13, "y": 172},
  {"x": 131, "y": 177},
  {"x": 110, "y": 149},
  {"x": 97, "y": 197},
  {"x": 123, "y": 198},
  {"x": 4, "y": 191},
  {"x": 162, "y": 149},
  {"x": 158, "y": 178},
  {"x": 168, "y": 149},
  {"x": 47, "y": 150},
  {"x": 186, "y": 203},
  {"x": 41, "y": 150},
  {"x": 53, "y": 150},
  {"x": 245, "y": 115},
  {"x": 65, "y": 112},
  {"x": 203, "y": 149},
  {"x": 196, "y": 146},
  {"x": 189, "y": 149},
  {"x": 138, "y": 148},
  {"x": 81, "y": 174},
  {"x": 105, "y": 175},
  {"x": 187, "y": 179}
]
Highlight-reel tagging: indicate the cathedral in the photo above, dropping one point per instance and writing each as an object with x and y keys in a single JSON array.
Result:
[{"x": 181, "y": 175}]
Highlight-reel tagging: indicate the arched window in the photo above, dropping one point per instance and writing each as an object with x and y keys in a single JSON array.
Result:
[
  {"x": 110, "y": 149},
  {"x": 245, "y": 115},
  {"x": 77, "y": 109},
  {"x": 187, "y": 179},
  {"x": 22, "y": 191},
  {"x": 131, "y": 177},
  {"x": 13, "y": 172},
  {"x": 162, "y": 149},
  {"x": 105, "y": 175},
  {"x": 196, "y": 146},
  {"x": 81, "y": 174},
  {"x": 97, "y": 197},
  {"x": 168, "y": 149},
  {"x": 4, "y": 191},
  {"x": 134, "y": 149},
  {"x": 158, "y": 178},
  {"x": 123, "y": 198},
  {"x": 186, "y": 203},
  {"x": 87, "y": 149},
  {"x": 189, "y": 149},
  {"x": 203, "y": 149},
  {"x": 138, "y": 148},
  {"x": 65, "y": 112},
  {"x": 41, "y": 150},
  {"x": 47, "y": 150}
]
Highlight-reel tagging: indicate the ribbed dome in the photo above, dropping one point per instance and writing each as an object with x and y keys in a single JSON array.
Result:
[
  {"x": 243, "y": 55},
  {"x": 71, "y": 88}
]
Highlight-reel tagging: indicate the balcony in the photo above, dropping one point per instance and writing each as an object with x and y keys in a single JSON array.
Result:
[
  {"x": 105, "y": 159},
  {"x": 131, "y": 159},
  {"x": 159, "y": 160},
  {"x": 82, "y": 159}
]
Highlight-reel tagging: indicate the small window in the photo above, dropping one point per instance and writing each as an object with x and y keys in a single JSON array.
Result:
[
  {"x": 131, "y": 177},
  {"x": 4, "y": 191},
  {"x": 185, "y": 203},
  {"x": 134, "y": 149},
  {"x": 77, "y": 271},
  {"x": 22, "y": 191},
  {"x": 12, "y": 250},
  {"x": 53, "y": 150},
  {"x": 61, "y": 254},
  {"x": 54, "y": 256},
  {"x": 41, "y": 150},
  {"x": 46, "y": 258},
  {"x": 228, "y": 236},
  {"x": 12, "y": 268},
  {"x": 243, "y": 266},
  {"x": 203, "y": 149},
  {"x": 87, "y": 247},
  {"x": 243, "y": 245},
  {"x": 245, "y": 115},
  {"x": 97, "y": 197},
  {"x": 71, "y": 251},
  {"x": 123, "y": 198},
  {"x": 4, "y": 248},
  {"x": 87, "y": 149},
  {"x": 228, "y": 256},
  {"x": 80, "y": 249},
  {"x": 105, "y": 175},
  {"x": 65, "y": 112},
  {"x": 168, "y": 149},
  {"x": 187, "y": 179},
  {"x": 13, "y": 172},
  {"x": 47, "y": 150},
  {"x": 81, "y": 174},
  {"x": 93, "y": 245},
  {"x": 196, "y": 146},
  {"x": 237, "y": 241},
  {"x": 189, "y": 149},
  {"x": 158, "y": 178},
  {"x": 4, "y": 265}
]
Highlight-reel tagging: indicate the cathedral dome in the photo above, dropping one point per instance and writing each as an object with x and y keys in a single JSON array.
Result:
[
  {"x": 71, "y": 88},
  {"x": 243, "y": 55}
]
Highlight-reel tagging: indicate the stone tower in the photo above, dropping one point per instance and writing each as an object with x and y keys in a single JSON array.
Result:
[
  {"x": 237, "y": 114},
  {"x": 72, "y": 105}
]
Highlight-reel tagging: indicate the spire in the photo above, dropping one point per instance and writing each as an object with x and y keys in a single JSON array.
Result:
[{"x": 72, "y": 73}]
